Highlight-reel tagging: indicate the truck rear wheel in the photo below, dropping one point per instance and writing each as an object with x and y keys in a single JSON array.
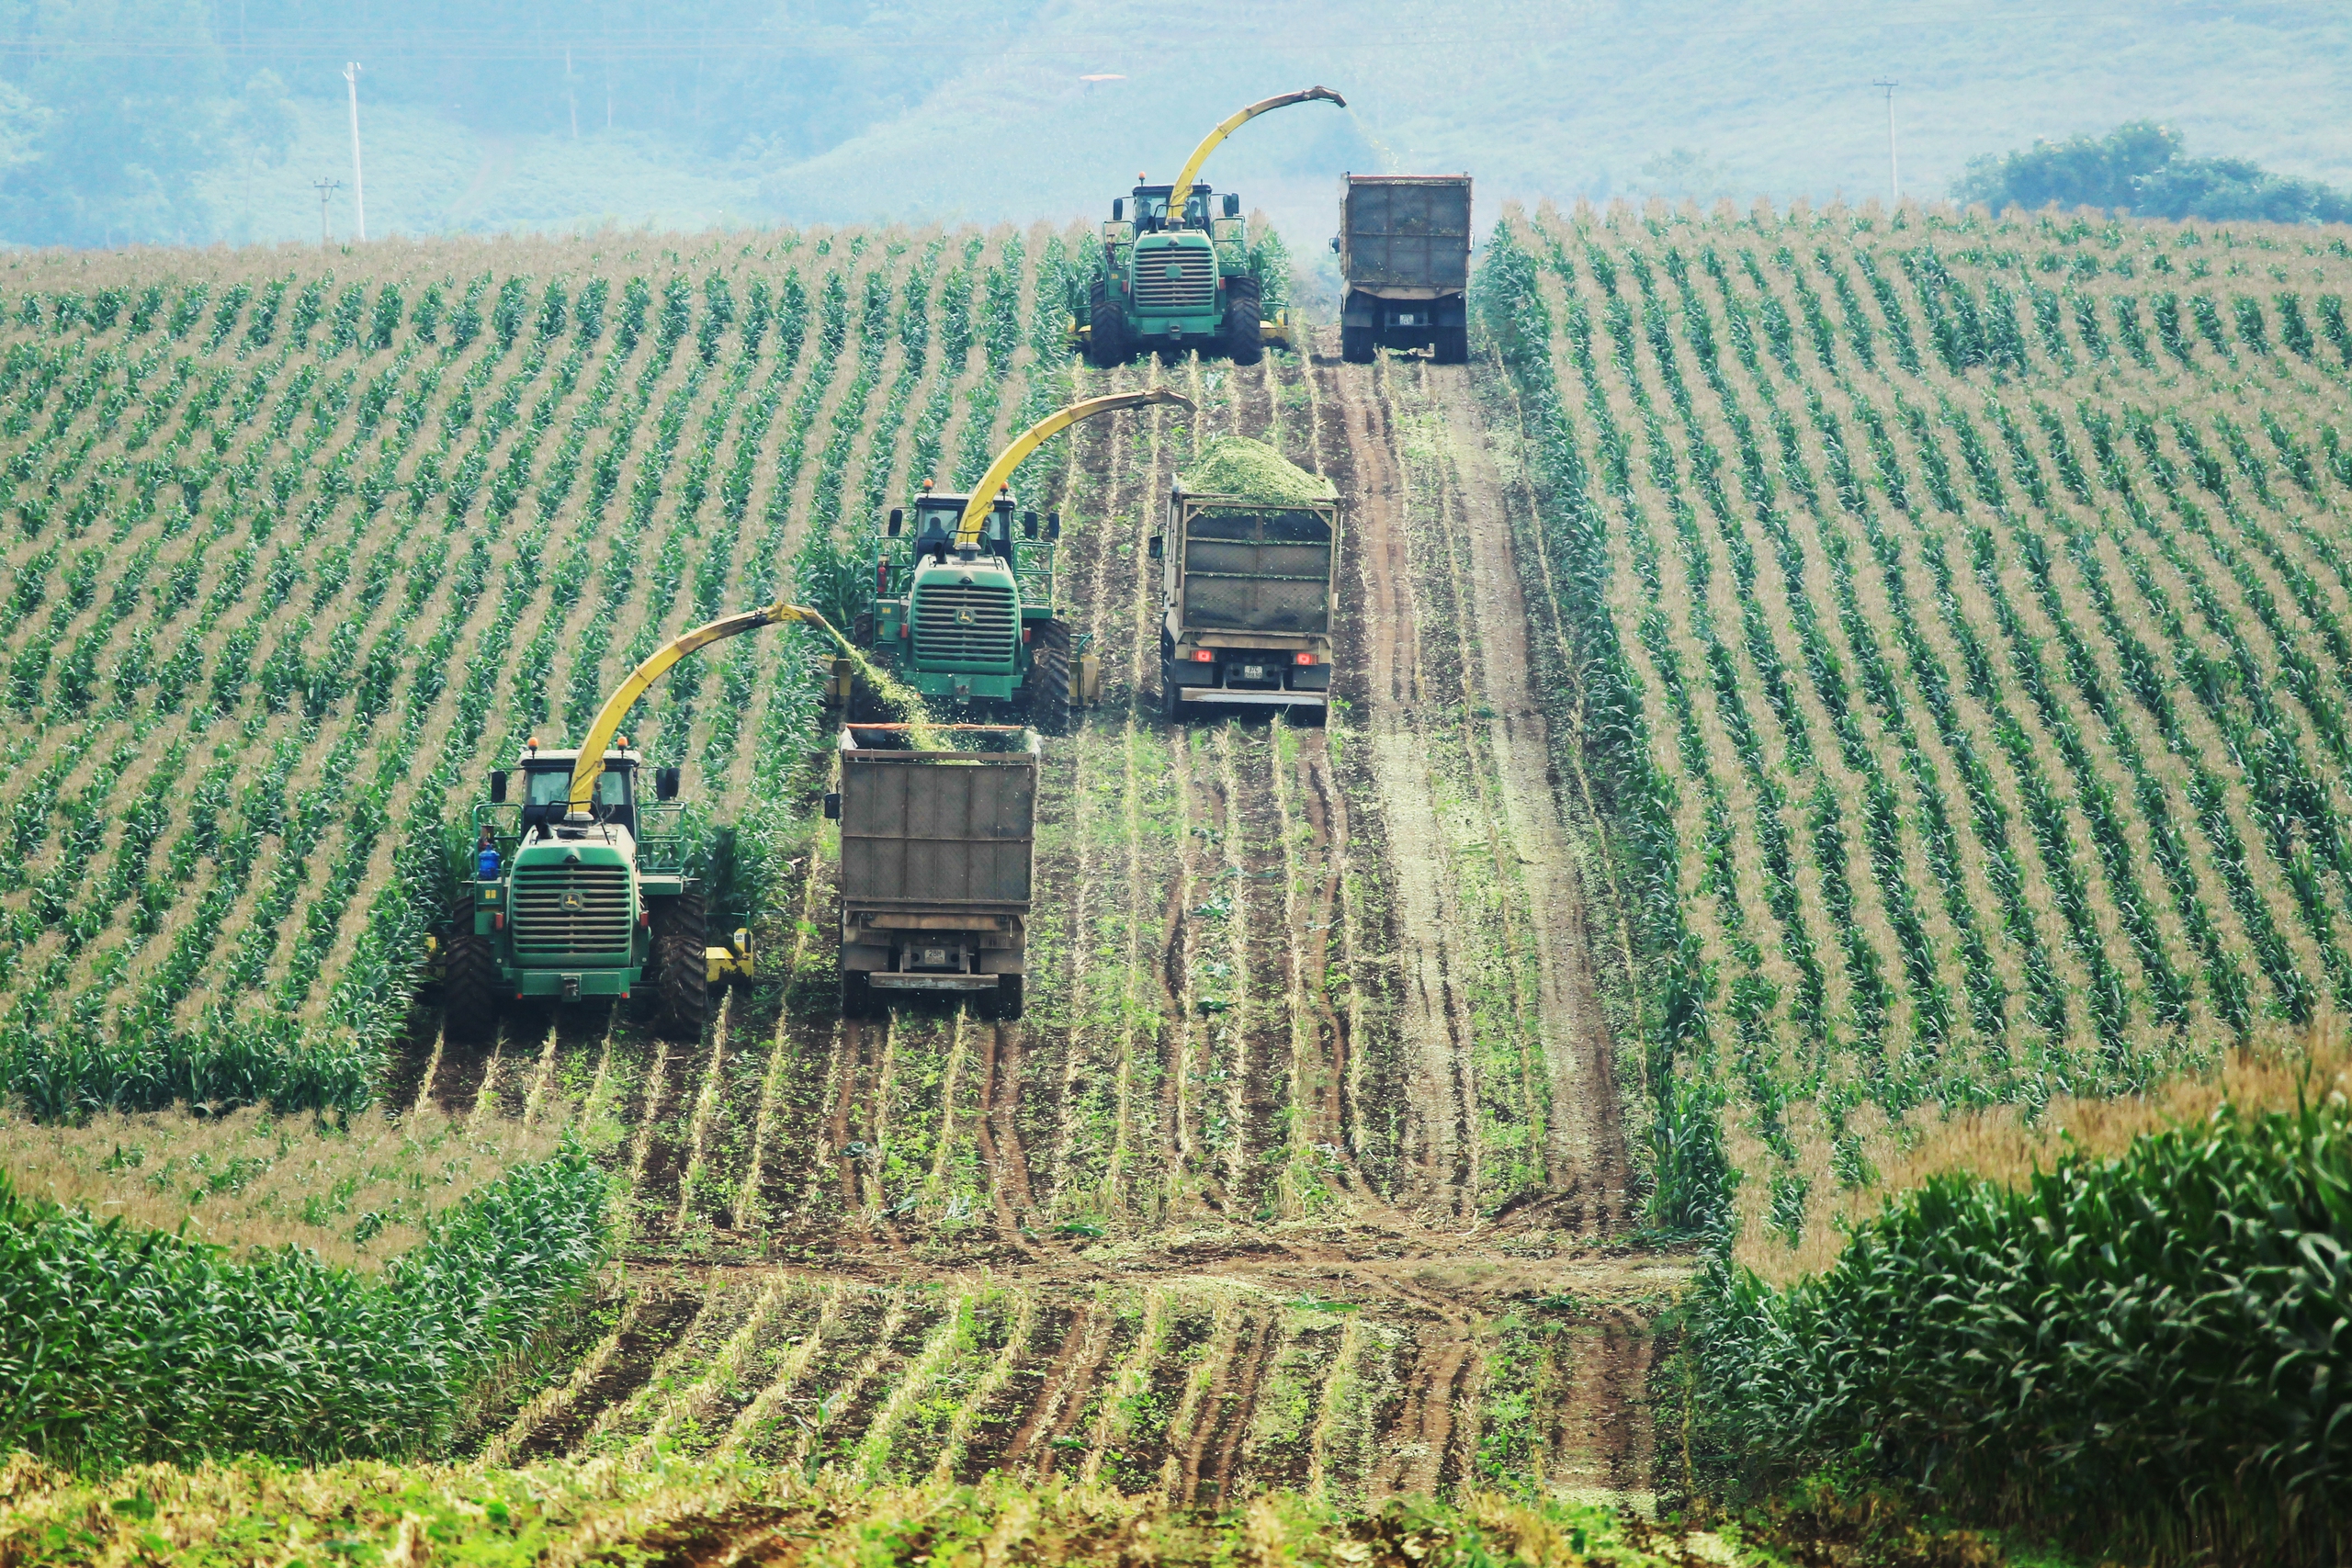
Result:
[
  {"x": 469, "y": 980},
  {"x": 857, "y": 995},
  {"x": 1355, "y": 345},
  {"x": 1106, "y": 338},
  {"x": 1453, "y": 344},
  {"x": 682, "y": 972},
  {"x": 1003, "y": 1004},
  {"x": 1171, "y": 697},
  {"x": 1244, "y": 327}
]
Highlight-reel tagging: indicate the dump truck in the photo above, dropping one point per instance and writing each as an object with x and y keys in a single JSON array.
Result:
[
  {"x": 938, "y": 843},
  {"x": 1404, "y": 246},
  {"x": 580, "y": 889},
  {"x": 1174, "y": 277},
  {"x": 963, "y": 608},
  {"x": 1248, "y": 555}
]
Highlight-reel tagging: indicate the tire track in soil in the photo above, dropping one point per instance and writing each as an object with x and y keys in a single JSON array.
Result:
[
  {"x": 658, "y": 1324},
  {"x": 1588, "y": 1133},
  {"x": 1438, "y": 1148},
  {"x": 1232, "y": 1412},
  {"x": 998, "y": 1132}
]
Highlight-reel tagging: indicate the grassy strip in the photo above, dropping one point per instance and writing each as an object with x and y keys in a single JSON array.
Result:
[
  {"x": 679, "y": 1512},
  {"x": 123, "y": 1346},
  {"x": 2142, "y": 1353}
]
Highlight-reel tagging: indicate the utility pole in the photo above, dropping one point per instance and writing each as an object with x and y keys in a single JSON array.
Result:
[
  {"x": 326, "y": 189},
  {"x": 358, "y": 186},
  {"x": 1893, "y": 170},
  {"x": 572, "y": 91}
]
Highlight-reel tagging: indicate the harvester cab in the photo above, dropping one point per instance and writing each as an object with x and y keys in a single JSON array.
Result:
[
  {"x": 970, "y": 615},
  {"x": 1172, "y": 277}
]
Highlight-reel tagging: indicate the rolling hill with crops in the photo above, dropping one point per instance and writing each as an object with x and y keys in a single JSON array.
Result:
[{"x": 1817, "y": 687}]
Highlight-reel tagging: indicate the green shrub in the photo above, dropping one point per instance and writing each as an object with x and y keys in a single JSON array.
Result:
[
  {"x": 2147, "y": 1354},
  {"x": 121, "y": 1347}
]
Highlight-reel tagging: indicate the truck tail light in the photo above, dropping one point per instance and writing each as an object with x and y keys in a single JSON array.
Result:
[
  {"x": 1202, "y": 656},
  {"x": 1306, "y": 658}
]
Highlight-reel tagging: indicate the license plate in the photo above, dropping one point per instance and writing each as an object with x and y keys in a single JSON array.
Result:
[{"x": 1253, "y": 672}]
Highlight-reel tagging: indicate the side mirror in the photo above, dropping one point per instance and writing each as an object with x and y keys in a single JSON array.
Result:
[
  {"x": 1118, "y": 208},
  {"x": 1028, "y": 524},
  {"x": 1335, "y": 244},
  {"x": 898, "y": 520},
  {"x": 665, "y": 783},
  {"x": 498, "y": 787},
  {"x": 1155, "y": 546},
  {"x": 832, "y": 806},
  {"x": 1232, "y": 205},
  {"x": 1054, "y": 526}
]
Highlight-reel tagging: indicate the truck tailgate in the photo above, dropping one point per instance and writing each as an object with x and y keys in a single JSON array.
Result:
[{"x": 1408, "y": 232}]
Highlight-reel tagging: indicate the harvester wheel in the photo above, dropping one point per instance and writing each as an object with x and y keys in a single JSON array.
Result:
[
  {"x": 1453, "y": 344},
  {"x": 1106, "y": 339},
  {"x": 1003, "y": 1004},
  {"x": 1049, "y": 704},
  {"x": 681, "y": 970},
  {"x": 1244, "y": 327},
  {"x": 469, "y": 980},
  {"x": 1355, "y": 345}
]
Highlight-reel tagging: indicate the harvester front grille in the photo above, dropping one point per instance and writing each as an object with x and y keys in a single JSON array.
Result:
[
  {"x": 1176, "y": 281},
  {"x": 966, "y": 624},
  {"x": 566, "y": 911}
]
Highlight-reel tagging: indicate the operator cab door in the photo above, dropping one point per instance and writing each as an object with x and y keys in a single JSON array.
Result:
[{"x": 547, "y": 796}]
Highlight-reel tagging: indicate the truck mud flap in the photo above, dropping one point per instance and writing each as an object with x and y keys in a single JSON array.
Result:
[
  {"x": 887, "y": 981},
  {"x": 1253, "y": 699}
]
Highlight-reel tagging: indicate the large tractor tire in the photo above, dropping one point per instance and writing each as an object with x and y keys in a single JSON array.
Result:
[
  {"x": 1453, "y": 344},
  {"x": 680, "y": 967},
  {"x": 1049, "y": 668},
  {"x": 1356, "y": 345},
  {"x": 1107, "y": 341},
  {"x": 1244, "y": 326},
  {"x": 469, "y": 980}
]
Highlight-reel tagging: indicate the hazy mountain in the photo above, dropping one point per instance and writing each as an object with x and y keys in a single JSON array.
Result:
[{"x": 758, "y": 110}]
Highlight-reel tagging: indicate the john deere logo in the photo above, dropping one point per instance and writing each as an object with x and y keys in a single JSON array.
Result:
[
  {"x": 964, "y": 616},
  {"x": 572, "y": 902}
]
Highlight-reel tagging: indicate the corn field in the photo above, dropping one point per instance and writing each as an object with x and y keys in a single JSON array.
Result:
[
  {"x": 1820, "y": 674},
  {"x": 1959, "y": 611}
]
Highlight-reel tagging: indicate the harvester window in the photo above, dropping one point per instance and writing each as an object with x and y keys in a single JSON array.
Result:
[{"x": 551, "y": 787}]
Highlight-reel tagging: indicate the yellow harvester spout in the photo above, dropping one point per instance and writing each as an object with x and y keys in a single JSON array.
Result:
[
  {"x": 1181, "y": 191},
  {"x": 967, "y": 527},
  {"x": 590, "y": 765}
]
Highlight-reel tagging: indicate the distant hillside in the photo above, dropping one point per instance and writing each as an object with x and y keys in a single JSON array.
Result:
[{"x": 738, "y": 115}]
